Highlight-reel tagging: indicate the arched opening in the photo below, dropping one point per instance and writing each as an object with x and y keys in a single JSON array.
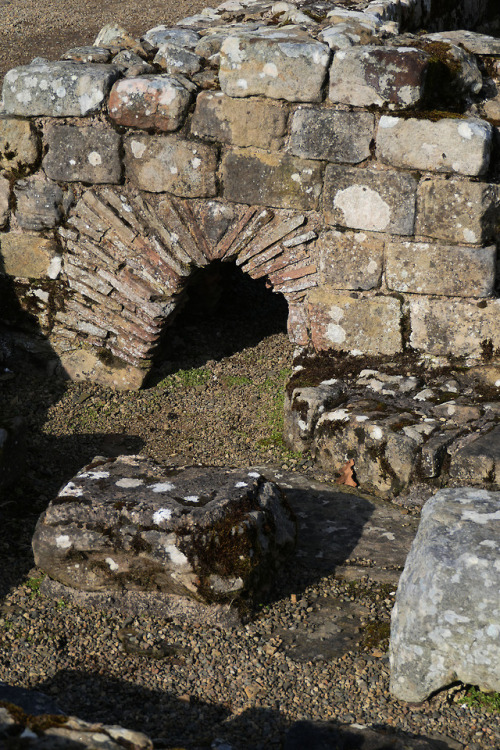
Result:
[{"x": 222, "y": 311}]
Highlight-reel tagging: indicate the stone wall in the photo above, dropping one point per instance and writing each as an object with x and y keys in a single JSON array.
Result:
[{"x": 353, "y": 165}]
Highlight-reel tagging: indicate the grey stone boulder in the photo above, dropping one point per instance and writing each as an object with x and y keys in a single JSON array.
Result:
[
  {"x": 446, "y": 619},
  {"x": 211, "y": 534},
  {"x": 57, "y": 89}
]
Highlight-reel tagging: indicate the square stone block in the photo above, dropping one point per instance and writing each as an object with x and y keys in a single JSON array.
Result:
[
  {"x": 88, "y": 154},
  {"x": 19, "y": 145},
  {"x": 351, "y": 260},
  {"x": 331, "y": 135},
  {"x": 368, "y": 199},
  {"x": 29, "y": 256},
  {"x": 158, "y": 102}
]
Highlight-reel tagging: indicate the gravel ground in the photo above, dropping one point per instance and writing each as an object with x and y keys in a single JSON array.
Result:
[{"x": 217, "y": 399}]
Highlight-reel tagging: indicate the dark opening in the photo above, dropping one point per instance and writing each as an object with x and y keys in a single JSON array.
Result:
[{"x": 223, "y": 311}]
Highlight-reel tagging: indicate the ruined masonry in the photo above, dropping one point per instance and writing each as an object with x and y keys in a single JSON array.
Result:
[{"x": 351, "y": 162}]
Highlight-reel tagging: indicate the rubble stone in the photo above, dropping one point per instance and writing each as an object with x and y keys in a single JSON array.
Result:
[
  {"x": 305, "y": 407},
  {"x": 158, "y": 102},
  {"x": 331, "y": 135},
  {"x": 4, "y": 202},
  {"x": 176, "y": 59},
  {"x": 351, "y": 260},
  {"x": 83, "y": 154},
  {"x": 38, "y": 204},
  {"x": 29, "y": 256},
  {"x": 477, "y": 461}
]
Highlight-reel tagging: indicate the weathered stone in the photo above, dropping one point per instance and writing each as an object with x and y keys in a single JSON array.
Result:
[
  {"x": 114, "y": 35},
  {"x": 477, "y": 459},
  {"x": 350, "y": 260},
  {"x": 29, "y": 256},
  {"x": 450, "y": 270},
  {"x": 207, "y": 534},
  {"x": 84, "y": 364},
  {"x": 369, "y": 199},
  {"x": 458, "y": 211},
  {"x": 392, "y": 76},
  {"x": 57, "y": 89},
  {"x": 132, "y": 64},
  {"x": 88, "y": 54},
  {"x": 4, "y": 202},
  {"x": 162, "y": 163},
  {"x": 331, "y": 135},
  {"x": 277, "y": 68},
  {"x": 19, "y": 145},
  {"x": 456, "y": 327},
  {"x": 303, "y": 409},
  {"x": 446, "y": 619},
  {"x": 256, "y": 122},
  {"x": 158, "y": 102},
  {"x": 448, "y": 145},
  {"x": 478, "y": 44},
  {"x": 161, "y": 34},
  {"x": 258, "y": 177},
  {"x": 176, "y": 59},
  {"x": 88, "y": 154},
  {"x": 354, "y": 323},
  {"x": 38, "y": 203}
]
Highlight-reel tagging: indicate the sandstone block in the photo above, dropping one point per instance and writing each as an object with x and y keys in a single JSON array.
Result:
[
  {"x": 239, "y": 122},
  {"x": 84, "y": 364},
  {"x": 19, "y": 145},
  {"x": 158, "y": 102},
  {"x": 354, "y": 323},
  {"x": 29, "y": 256},
  {"x": 253, "y": 176},
  {"x": 334, "y": 136},
  {"x": 89, "y": 154},
  {"x": 4, "y": 201},
  {"x": 457, "y": 327},
  {"x": 368, "y": 75},
  {"x": 368, "y": 199},
  {"x": 457, "y": 210},
  {"x": 38, "y": 204},
  {"x": 175, "y": 59},
  {"x": 449, "y": 145},
  {"x": 446, "y": 619},
  {"x": 276, "y": 68},
  {"x": 162, "y": 163},
  {"x": 57, "y": 89},
  {"x": 205, "y": 534},
  {"x": 449, "y": 270},
  {"x": 350, "y": 260}
]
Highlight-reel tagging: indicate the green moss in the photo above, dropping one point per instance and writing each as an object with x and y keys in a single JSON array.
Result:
[
  {"x": 476, "y": 698},
  {"x": 376, "y": 634}
]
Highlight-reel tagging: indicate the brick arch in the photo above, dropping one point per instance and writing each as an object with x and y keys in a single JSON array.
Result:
[{"x": 128, "y": 257}]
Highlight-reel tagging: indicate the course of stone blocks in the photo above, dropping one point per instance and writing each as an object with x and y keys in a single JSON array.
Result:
[{"x": 350, "y": 161}]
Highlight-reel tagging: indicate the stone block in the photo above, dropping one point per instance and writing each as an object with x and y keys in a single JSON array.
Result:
[
  {"x": 38, "y": 203},
  {"x": 446, "y": 619},
  {"x": 84, "y": 364},
  {"x": 158, "y": 102},
  {"x": 331, "y": 135},
  {"x": 162, "y": 34},
  {"x": 305, "y": 407},
  {"x": 476, "y": 460},
  {"x": 368, "y": 199},
  {"x": 449, "y": 145},
  {"x": 175, "y": 59},
  {"x": 279, "y": 68},
  {"x": 29, "y": 256},
  {"x": 19, "y": 145},
  {"x": 4, "y": 202},
  {"x": 454, "y": 327},
  {"x": 354, "y": 323},
  {"x": 449, "y": 270},
  {"x": 457, "y": 210},
  {"x": 169, "y": 164},
  {"x": 384, "y": 76},
  {"x": 88, "y": 54},
  {"x": 88, "y": 154},
  {"x": 210, "y": 534},
  {"x": 239, "y": 122},
  {"x": 350, "y": 260},
  {"x": 258, "y": 177},
  {"x": 57, "y": 89}
]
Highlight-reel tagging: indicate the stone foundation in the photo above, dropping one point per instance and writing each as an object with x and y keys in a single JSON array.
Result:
[{"x": 351, "y": 162}]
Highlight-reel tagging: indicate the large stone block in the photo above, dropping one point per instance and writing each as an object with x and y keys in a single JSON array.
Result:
[
  {"x": 169, "y": 164},
  {"x": 457, "y": 210},
  {"x": 253, "y": 176},
  {"x": 29, "y": 256},
  {"x": 456, "y": 327},
  {"x": 88, "y": 154},
  {"x": 331, "y": 135},
  {"x": 205, "y": 534},
  {"x": 57, "y": 89},
  {"x": 38, "y": 203},
  {"x": 354, "y": 323},
  {"x": 240, "y": 122},
  {"x": 393, "y": 76},
  {"x": 19, "y": 145},
  {"x": 449, "y": 145},
  {"x": 449, "y": 270},
  {"x": 369, "y": 199},
  {"x": 350, "y": 260},
  {"x": 279, "y": 68},
  {"x": 446, "y": 619},
  {"x": 158, "y": 102}
]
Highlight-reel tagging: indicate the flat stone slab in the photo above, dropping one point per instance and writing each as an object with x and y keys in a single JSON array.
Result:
[
  {"x": 446, "y": 620},
  {"x": 211, "y": 535}
]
